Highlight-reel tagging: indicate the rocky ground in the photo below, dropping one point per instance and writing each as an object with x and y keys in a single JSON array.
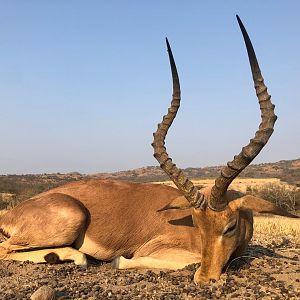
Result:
[{"x": 269, "y": 270}]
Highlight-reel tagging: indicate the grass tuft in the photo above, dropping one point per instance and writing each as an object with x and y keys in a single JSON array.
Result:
[{"x": 274, "y": 226}]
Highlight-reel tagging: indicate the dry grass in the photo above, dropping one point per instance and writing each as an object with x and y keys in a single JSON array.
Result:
[
  {"x": 273, "y": 226},
  {"x": 240, "y": 184}
]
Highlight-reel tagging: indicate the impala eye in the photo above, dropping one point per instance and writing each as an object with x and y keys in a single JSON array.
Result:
[{"x": 230, "y": 229}]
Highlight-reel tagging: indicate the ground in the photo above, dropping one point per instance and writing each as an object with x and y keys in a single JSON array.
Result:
[
  {"x": 270, "y": 269},
  {"x": 240, "y": 184}
]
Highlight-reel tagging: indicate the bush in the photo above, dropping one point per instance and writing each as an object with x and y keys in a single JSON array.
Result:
[
  {"x": 7, "y": 200},
  {"x": 287, "y": 198}
]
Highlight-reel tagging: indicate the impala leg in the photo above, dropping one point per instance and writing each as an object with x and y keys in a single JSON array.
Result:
[
  {"x": 46, "y": 255},
  {"x": 172, "y": 260},
  {"x": 42, "y": 229},
  {"x": 146, "y": 263},
  {"x": 6, "y": 246}
]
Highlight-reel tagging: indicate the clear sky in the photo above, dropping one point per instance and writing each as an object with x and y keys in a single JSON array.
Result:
[{"x": 84, "y": 83}]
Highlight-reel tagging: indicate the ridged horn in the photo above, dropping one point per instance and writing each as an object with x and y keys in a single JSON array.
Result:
[
  {"x": 191, "y": 192},
  {"x": 242, "y": 160}
]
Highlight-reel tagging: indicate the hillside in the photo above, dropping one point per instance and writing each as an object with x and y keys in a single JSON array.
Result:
[
  {"x": 285, "y": 170},
  {"x": 20, "y": 187}
]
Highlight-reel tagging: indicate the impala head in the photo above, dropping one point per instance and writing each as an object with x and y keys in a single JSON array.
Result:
[{"x": 223, "y": 218}]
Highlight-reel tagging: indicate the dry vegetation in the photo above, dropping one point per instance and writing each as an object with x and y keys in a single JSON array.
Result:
[
  {"x": 240, "y": 184},
  {"x": 275, "y": 226},
  {"x": 21, "y": 187}
]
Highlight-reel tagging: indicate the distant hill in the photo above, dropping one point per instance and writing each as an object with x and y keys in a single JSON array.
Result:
[
  {"x": 20, "y": 187},
  {"x": 25, "y": 186},
  {"x": 285, "y": 170}
]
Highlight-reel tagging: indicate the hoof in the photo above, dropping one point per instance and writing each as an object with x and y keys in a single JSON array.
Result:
[
  {"x": 52, "y": 258},
  {"x": 116, "y": 262},
  {"x": 81, "y": 261}
]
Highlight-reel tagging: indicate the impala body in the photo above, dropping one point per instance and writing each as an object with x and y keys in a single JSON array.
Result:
[{"x": 146, "y": 225}]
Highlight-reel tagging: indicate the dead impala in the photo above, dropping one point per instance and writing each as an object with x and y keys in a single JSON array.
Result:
[{"x": 146, "y": 225}]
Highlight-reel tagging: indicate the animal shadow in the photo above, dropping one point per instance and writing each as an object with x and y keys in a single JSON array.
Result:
[{"x": 255, "y": 252}]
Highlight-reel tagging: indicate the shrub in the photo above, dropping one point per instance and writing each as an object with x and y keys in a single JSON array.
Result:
[
  {"x": 7, "y": 200},
  {"x": 285, "y": 197}
]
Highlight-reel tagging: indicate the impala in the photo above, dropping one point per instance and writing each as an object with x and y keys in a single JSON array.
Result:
[{"x": 138, "y": 225}]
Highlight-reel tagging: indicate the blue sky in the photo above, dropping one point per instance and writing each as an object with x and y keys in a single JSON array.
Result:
[{"x": 84, "y": 83}]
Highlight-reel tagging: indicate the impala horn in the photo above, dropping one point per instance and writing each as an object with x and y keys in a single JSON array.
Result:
[
  {"x": 191, "y": 192},
  {"x": 217, "y": 200}
]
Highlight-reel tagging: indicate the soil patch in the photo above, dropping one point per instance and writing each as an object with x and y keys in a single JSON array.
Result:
[{"x": 270, "y": 269}]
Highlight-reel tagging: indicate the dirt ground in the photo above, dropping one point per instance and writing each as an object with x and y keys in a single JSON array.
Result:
[{"x": 270, "y": 269}]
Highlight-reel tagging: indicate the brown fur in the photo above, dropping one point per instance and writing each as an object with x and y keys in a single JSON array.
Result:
[{"x": 135, "y": 225}]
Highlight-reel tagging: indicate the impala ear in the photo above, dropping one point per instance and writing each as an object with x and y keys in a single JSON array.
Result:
[
  {"x": 178, "y": 203},
  {"x": 259, "y": 205}
]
